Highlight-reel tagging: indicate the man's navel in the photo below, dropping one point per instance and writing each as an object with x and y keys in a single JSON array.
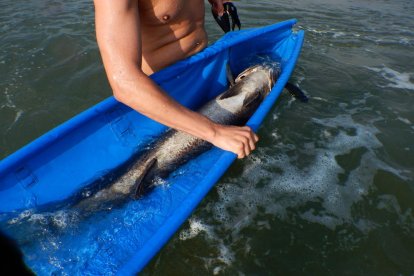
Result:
[{"x": 166, "y": 18}]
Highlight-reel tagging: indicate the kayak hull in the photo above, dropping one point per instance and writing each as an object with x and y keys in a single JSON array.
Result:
[{"x": 52, "y": 170}]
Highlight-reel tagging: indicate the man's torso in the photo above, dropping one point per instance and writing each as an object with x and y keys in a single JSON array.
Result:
[{"x": 171, "y": 30}]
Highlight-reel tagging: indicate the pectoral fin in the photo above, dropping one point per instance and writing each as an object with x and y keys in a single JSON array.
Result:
[
  {"x": 141, "y": 186},
  {"x": 232, "y": 91},
  {"x": 229, "y": 75},
  {"x": 252, "y": 101}
]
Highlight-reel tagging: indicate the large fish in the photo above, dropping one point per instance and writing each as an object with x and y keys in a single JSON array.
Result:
[{"x": 174, "y": 148}]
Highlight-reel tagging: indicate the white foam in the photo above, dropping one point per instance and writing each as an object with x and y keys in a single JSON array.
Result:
[
  {"x": 196, "y": 227},
  {"x": 332, "y": 32},
  {"x": 396, "y": 79},
  {"x": 274, "y": 184},
  {"x": 10, "y": 104},
  {"x": 38, "y": 218},
  {"x": 338, "y": 34},
  {"x": 9, "y": 101},
  {"x": 62, "y": 219},
  {"x": 404, "y": 120},
  {"x": 225, "y": 255},
  {"x": 320, "y": 99}
]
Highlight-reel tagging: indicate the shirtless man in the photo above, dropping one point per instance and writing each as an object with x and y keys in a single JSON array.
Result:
[{"x": 139, "y": 37}]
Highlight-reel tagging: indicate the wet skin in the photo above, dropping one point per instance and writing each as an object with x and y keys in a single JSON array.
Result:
[{"x": 137, "y": 38}]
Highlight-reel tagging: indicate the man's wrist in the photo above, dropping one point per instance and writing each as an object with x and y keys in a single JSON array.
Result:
[{"x": 210, "y": 133}]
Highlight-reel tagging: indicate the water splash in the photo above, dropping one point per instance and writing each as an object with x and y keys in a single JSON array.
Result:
[{"x": 396, "y": 79}]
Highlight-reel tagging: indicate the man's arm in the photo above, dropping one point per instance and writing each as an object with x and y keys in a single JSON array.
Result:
[{"x": 118, "y": 35}]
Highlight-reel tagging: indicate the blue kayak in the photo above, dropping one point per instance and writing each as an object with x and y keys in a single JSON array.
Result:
[{"x": 54, "y": 169}]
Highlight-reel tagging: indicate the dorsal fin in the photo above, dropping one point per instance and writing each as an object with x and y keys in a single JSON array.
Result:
[{"x": 141, "y": 187}]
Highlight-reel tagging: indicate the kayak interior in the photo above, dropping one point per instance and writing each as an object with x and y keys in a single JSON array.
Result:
[{"x": 84, "y": 154}]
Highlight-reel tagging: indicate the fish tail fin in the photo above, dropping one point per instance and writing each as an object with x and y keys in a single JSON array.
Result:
[
  {"x": 296, "y": 92},
  {"x": 141, "y": 186}
]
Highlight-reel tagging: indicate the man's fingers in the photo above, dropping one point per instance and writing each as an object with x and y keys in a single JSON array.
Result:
[
  {"x": 253, "y": 140},
  {"x": 248, "y": 142},
  {"x": 241, "y": 153},
  {"x": 246, "y": 146},
  {"x": 239, "y": 140},
  {"x": 256, "y": 138}
]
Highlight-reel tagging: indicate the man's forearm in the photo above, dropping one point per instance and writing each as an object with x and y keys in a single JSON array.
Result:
[
  {"x": 142, "y": 94},
  {"x": 145, "y": 96}
]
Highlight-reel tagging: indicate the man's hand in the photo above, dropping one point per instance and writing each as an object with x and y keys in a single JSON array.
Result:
[
  {"x": 217, "y": 6},
  {"x": 239, "y": 140},
  {"x": 224, "y": 11}
]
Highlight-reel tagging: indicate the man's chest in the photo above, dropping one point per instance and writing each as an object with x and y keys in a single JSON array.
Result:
[{"x": 156, "y": 12}]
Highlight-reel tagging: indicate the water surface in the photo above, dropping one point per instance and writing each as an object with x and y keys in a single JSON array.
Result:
[{"x": 330, "y": 189}]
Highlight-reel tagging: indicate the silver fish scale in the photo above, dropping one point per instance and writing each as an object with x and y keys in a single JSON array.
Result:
[{"x": 175, "y": 148}]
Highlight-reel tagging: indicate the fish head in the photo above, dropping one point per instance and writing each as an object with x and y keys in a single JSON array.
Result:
[
  {"x": 270, "y": 70},
  {"x": 250, "y": 88},
  {"x": 257, "y": 81}
]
